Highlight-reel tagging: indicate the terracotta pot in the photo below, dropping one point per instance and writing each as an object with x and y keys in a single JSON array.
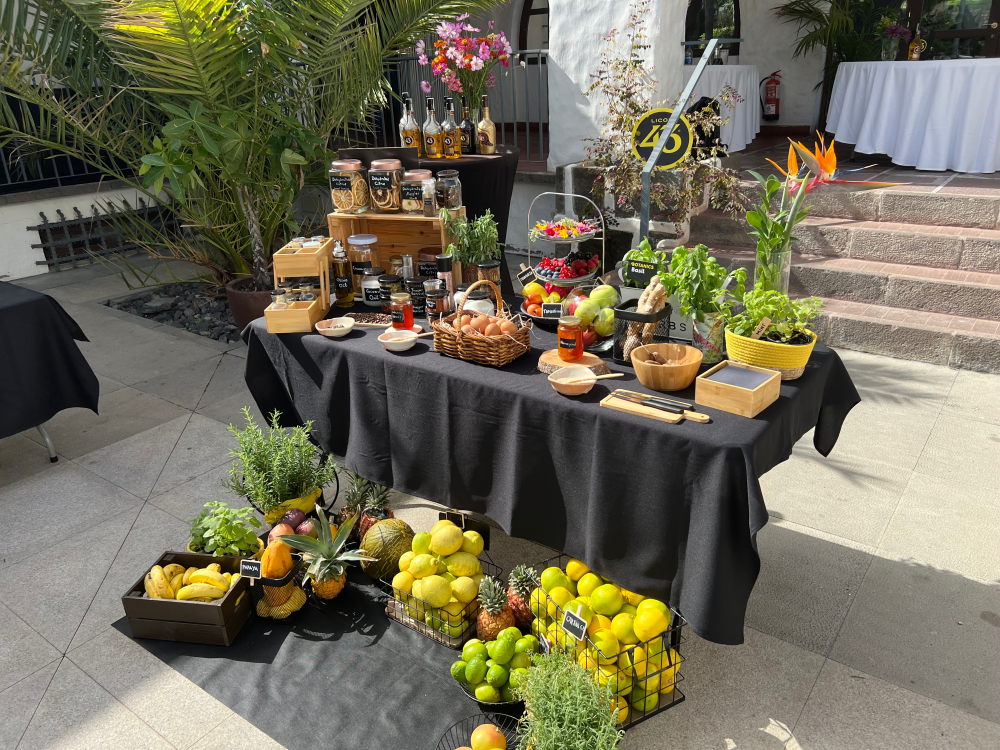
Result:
[{"x": 246, "y": 304}]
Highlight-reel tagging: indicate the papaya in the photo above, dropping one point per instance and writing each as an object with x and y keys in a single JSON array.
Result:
[{"x": 277, "y": 560}]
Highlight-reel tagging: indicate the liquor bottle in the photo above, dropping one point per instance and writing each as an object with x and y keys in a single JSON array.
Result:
[
  {"x": 917, "y": 46},
  {"x": 467, "y": 130},
  {"x": 487, "y": 130},
  {"x": 433, "y": 135},
  {"x": 409, "y": 130},
  {"x": 451, "y": 134}
]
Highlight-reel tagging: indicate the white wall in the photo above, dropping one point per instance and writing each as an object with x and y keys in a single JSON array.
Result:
[
  {"x": 769, "y": 45},
  {"x": 520, "y": 200},
  {"x": 575, "y": 30},
  {"x": 17, "y": 257}
]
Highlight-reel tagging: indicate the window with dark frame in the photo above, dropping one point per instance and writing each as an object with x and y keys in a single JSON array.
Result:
[{"x": 533, "y": 28}]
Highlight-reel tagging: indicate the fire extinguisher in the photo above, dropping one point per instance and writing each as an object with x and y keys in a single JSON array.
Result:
[{"x": 771, "y": 103}]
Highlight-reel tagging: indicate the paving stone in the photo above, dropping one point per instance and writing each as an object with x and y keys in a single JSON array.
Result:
[
  {"x": 236, "y": 733},
  {"x": 229, "y": 411},
  {"x": 974, "y": 395},
  {"x": 227, "y": 381},
  {"x": 963, "y": 451},
  {"x": 18, "y": 704},
  {"x": 185, "y": 501},
  {"x": 22, "y": 651},
  {"x": 203, "y": 445},
  {"x": 184, "y": 387},
  {"x": 22, "y": 458}
]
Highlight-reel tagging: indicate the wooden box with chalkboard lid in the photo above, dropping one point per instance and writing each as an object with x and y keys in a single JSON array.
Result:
[{"x": 738, "y": 388}]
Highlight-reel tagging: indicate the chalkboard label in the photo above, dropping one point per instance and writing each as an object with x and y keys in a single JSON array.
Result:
[
  {"x": 412, "y": 191},
  {"x": 342, "y": 283},
  {"x": 567, "y": 343},
  {"x": 339, "y": 182},
  {"x": 380, "y": 181},
  {"x": 639, "y": 272},
  {"x": 372, "y": 294},
  {"x": 525, "y": 276},
  {"x": 575, "y": 625},
  {"x": 397, "y": 316},
  {"x": 552, "y": 309},
  {"x": 429, "y": 270},
  {"x": 358, "y": 266},
  {"x": 250, "y": 568}
]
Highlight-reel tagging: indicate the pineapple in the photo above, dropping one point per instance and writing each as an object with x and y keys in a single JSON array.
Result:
[
  {"x": 354, "y": 501},
  {"x": 376, "y": 508},
  {"x": 494, "y": 615},
  {"x": 325, "y": 555},
  {"x": 522, "y": 583}
]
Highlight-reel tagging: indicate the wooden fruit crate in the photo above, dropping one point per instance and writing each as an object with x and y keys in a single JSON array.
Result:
[{"x": 295, "y": 262}]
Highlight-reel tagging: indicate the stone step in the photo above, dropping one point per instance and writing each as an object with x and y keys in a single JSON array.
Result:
[
  {"x": 952, "y": 340},
  {"x": 959, "y": 248},
  {"x": 965, "y": 293}
]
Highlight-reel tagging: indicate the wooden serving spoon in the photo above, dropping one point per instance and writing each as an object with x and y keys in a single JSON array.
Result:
[{"x": 574, "y": 381}]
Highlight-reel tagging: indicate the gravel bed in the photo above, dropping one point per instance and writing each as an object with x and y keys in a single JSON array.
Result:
[{"x": 193, "y": 307}]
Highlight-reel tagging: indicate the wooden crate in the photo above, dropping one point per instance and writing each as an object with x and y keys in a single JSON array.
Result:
[
  {"x": 295, "y": 262},
  {"x": 735, "y": 399}
]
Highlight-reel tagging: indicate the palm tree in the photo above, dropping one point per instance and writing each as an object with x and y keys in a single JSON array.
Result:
[{"x": 218, "y": 109}]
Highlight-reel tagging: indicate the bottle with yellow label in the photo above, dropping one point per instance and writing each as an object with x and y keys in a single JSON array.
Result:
[
  {"x": 487, "y": 130},
  {"x": 433, "y": 135},
  {"x": 917, "y": 46},
  {"x": 409, "y": 130},
  {"x": 452, "y": 137}
]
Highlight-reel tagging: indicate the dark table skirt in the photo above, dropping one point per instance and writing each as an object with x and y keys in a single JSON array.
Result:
[{"x": 664, "y": 510}]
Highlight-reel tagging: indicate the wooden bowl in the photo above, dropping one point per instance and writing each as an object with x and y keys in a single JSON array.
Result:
[
  {"x": 673, "y": 377},
  {"x": 572, "y": 372}
]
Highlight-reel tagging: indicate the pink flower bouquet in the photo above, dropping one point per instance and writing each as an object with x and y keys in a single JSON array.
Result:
[
  {"x": 564, "y": 229},
  {"x": 463, "y": 62}
]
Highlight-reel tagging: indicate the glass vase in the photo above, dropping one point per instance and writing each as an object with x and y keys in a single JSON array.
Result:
[
  {"x": 890, "y": 46},
  {"x": 709, "y": 338},
  {"x": 772, "y": 270}
]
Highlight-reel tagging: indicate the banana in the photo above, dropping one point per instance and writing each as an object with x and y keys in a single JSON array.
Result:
[
  {"x": 148, "y": 583},
  {"x": 172, "y": 570},
  {"x": 229, "y": 579},
  {"x": 176, "y": 582},
  {"x": 240, "y": 598},
  {"x": 210, "y": 576},
  {"x": 200, "y": 591},
  {"x": 187, "y": 575},
  {"x": 161, "y": 586},
  {"x": 216, "y": 568},
  {"x": 233, "y": 580}
]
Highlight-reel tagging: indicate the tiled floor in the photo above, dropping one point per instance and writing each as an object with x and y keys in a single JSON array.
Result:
[{"x": 875, "y": 622}]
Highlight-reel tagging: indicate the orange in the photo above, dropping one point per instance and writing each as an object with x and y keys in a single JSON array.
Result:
[
  {"x": 488, "y": 737},
  {"x": 606, "y": 600}
]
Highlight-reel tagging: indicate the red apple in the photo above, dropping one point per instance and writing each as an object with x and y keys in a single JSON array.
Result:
[
  {"x": 308, "y": 528},
  {"x": 589, "y": 336}
]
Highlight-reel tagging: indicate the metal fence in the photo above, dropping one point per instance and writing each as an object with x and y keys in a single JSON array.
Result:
[
  {"x": 519, "y": 103},
  {"x": 19, "y": 173}
]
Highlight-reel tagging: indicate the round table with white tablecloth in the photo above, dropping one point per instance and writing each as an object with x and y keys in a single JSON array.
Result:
[
  {"x": 931, "y": 114},
  {"x": 744, "y": 122}
]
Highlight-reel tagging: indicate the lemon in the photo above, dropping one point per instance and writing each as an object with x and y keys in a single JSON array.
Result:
[
  {"x": 553, "y": 577},
  {"x": 599, "y": 622},
  {"x": 576, "y": 569},
  {"x": 404, "y": 560},
  {"x": 462, "y": 564},
  {"x": 654, "y": 603},
  {"x": 611, "y": 676},
  {"x": 454, "y": 608},
  {"x": 633, "y": 661},
  {"x": 416, "y": 589},
  {"x": 472, "y": 543},
  {"x": 643, "y": 701},
  {"x": 605, "y": 600},
  {"x": 538, "y": 626},
  {"x": 432, "y": 619},
  {"x": 456, "y": 630},
  {"x": 586, "y": 585},
  {"x": 464, "y": 589},
  {"x": 621, "y": 706},
  {"x": 649, "y": 623},
  {"x": 538, "y": 603},
  {"x": 442, "y": 566},
  {"x": 447, "y": 540},
  {"x": 435, "y": 591},
  {"x": 631, "y": 598},
  {"x": 478, "y": 578},
  {"x": 622, "y": 627},
  {"x": 422, "y": 566},
  {"x": 606, "y": 643},
  {"x": 486, "y": 693},
  {"x": 558, "y": 598},
  {"x": 403, "y": 581},
  {"x": 421, "y": 543},
  {"x": 443, "y": 522}
]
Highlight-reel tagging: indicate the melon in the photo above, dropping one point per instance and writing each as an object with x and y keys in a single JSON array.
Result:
[{"x": 386, "y": 541}]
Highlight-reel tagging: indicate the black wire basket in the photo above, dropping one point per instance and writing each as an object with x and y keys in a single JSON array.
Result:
[
  {"x": 460, "y": 734},
  {"x": 629, "y": 323},
  {"x": 276, "y": 598},
  {"x": 514, "y": 709},
  {"x": 662, "y": 672}
]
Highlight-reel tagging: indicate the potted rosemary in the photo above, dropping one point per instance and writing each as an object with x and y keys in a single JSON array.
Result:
[
  {"x": 278, "y": 471},
  {"x": 786, "y": 341},
  {"x": 473, "y": 242}
]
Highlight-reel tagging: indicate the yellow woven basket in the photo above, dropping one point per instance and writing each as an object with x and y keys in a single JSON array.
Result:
[{"x": 789, "y": 359}]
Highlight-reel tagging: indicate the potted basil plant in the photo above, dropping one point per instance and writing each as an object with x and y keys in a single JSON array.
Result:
[
  {"x": 786, "y": 341},
  {"x": 225, "y": 532}
]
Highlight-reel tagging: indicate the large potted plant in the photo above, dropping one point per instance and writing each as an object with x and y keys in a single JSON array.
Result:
[
  {"x": 217, "y": 111},
  {"x": 473, "y": 242},
  {"x": 784, "y": 341},
  {"x": 279, "y": 471},
  {"x": 706, "y": 293}
]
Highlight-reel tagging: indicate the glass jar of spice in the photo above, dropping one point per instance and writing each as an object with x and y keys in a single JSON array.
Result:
[
  {"x": 415, "y": 286},
  {"x": 401, "y": 310},
  {"x": 449, "y": 189},
  {"x": 385, "y": 178},
  {"x": 370, "y": 289},
  {"x": 430, "y": 197},
  {"x": 570, "y": 336},
  {"x": 489, "y": 271},
  {"x": 411, "y": 191},
  {"x": 349, "y": 186},
  {"x": 438, "y": 304},
  {"x": 389, "y": 284}
]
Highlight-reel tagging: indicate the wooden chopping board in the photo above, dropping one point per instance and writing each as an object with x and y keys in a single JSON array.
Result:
[
  {"x": 549, "y": 362},
  {"x": 639, "y": 410}
]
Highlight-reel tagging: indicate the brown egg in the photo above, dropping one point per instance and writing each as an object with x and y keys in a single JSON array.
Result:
[
  {"x": 494, "y": 319},
  {"x": 492, "y": 330},
  {"x": 466, "y": 319},
  {"x": 508, "y": 326},
  {"x": 479, "y": 322},
  {"x": 457, "y": 324},
  {"x": 468, "y": 330}
]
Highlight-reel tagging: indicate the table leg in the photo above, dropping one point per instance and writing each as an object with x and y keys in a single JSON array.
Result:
[{"x": 48, "y": 444}]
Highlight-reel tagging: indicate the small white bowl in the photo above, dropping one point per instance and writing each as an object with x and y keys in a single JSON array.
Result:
[
  {"x": 343, "y": 327},
  {"x": 573, "y": 372},
  {"x": 397, "y": 341},
  {"x": 416, "y": 328}
]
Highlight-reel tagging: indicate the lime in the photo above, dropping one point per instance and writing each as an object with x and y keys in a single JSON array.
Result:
[
  {"x": 517, "y": 677},
  {"x": 622, "y": 627},
  {"x": 458, "y": 671},
  {"x": 490, "y": 663},
  {"x": 586, "y": 585},
  {"x": 486, "y": 693},
  {"x": 497, "y": 675},
  {"x": 503, "y": 651},
  {"x": 475, "y": 669},
  {"x": 615, "y": 679},
  {"x": 559, "y": 597},
  {"x": 455, "y": 630},
  {"x": 506, "y": 693},
  {"x": 605, "y": 600},
  {"x": 643, "y": 701},
  {"x": 607, "y": 646},
  {"x": 474, "y": 647},
  {"x": 520, "y": 660},
  {"x": 421, "y": 543},
  {"x": 552, "y": 577},
  {"x": 627, "y": 608},
  {"x": 511, "y": 632},
  {"x": 528, "y": 643}
]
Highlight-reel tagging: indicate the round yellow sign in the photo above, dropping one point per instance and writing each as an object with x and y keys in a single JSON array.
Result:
[{"x": 648, "y": 131}]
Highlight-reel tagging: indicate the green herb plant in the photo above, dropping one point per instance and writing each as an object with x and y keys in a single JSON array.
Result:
[
  {"x": 565, "y": 708},
  {"x": 222, "y": 530},
  {"x": 646, "y": 254},
  {"x": 701, "y": 284},
  {"x": 788, "y": 316},
  {"x": 774, "y": 233},
  {"x": 281, "y": 465},
  {"x": 475, "y": 241}
]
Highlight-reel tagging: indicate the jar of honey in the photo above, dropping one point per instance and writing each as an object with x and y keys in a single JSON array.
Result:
[
  {"x": 570, "y": 336},
  {"x": 401, "y": 310}
]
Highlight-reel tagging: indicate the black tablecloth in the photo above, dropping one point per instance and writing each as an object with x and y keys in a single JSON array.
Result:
[
  {"x": 664, "y": 510},
  {"x": 42, "y": 370},
  {"x": 487, "y": 182}
]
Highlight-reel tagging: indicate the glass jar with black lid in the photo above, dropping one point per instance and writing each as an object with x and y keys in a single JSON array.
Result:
[
  {"x": 389, "y": 284},
  {"x": 371, "y": 291},
  {"x": 415, "y": 286}
]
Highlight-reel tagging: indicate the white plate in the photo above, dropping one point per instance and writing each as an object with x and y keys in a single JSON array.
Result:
[{"x": 345, "y": 326}]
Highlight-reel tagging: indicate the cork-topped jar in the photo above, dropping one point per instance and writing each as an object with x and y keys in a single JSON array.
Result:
[
  {"x": 349, "y": 186},
  {"x": 384, "y": 179},
  {"x": 412, "y": 191}
]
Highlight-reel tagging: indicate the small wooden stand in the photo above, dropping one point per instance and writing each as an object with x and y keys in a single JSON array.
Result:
[
  {"x": 294, "y": 262},
  {"x": 549, "y": 362}
]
